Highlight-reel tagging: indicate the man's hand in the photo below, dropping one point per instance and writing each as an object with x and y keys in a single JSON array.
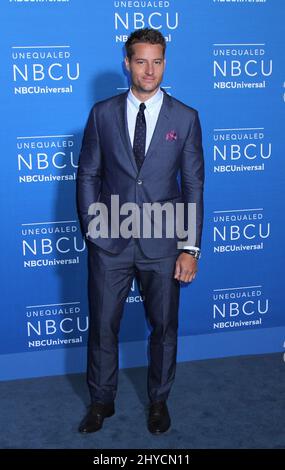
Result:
[{"x": 185, "y": 268}]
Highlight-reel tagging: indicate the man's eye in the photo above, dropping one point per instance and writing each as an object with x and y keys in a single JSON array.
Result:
[{"x": 157, "y": 62}]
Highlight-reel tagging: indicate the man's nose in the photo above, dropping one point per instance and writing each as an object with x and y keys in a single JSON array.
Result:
[{"x": 149, "y": 69}]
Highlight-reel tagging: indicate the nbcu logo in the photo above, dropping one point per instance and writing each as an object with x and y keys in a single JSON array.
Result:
[
  {"x": 39, "y": 72},
  {"x": 235, "y": 68},
  {"x": 50, "y": 246}
]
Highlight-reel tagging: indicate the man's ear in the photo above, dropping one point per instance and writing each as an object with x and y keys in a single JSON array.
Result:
[{"x": 127, "y": 63}]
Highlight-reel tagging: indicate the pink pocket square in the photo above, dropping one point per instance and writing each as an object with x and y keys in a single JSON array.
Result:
[{"x": 171, "y": 135}]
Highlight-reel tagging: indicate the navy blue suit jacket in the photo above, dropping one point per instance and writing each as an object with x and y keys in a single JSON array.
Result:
[{"x": 173, "y": 169}]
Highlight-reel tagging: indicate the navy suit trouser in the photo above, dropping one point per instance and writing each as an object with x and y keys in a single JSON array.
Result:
[{"x": 110, "y": 279}]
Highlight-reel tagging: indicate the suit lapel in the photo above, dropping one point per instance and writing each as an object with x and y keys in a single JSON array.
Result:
[
  {"x": 162, "y": 124},
  {"x": 123, "y": 127}
]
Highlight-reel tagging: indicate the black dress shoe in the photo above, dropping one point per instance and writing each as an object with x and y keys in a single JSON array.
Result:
[
  {"x": 94, "y": 419},
  {"x": 158, "y": 419}
]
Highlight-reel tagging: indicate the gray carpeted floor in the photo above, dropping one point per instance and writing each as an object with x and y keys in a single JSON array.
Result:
[{"x": 233, "y": 403}]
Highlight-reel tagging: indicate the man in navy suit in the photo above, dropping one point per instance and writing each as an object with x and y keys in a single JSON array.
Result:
[{"x": 143, "y": 147}]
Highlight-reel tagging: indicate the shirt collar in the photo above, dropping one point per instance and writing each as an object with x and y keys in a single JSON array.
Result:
[{"x": 149, "y": 103}]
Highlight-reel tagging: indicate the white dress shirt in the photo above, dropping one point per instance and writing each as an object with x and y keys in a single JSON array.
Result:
[{"x": 151, "y": 112}]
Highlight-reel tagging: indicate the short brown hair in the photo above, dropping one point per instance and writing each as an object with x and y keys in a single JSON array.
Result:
[{"x": 146, "y": 35}]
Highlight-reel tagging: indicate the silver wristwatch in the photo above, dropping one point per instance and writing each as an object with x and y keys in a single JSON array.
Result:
[{"x": 195, "y": 253}]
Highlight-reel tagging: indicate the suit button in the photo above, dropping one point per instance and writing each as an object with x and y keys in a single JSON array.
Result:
[{"x": 139, "y": 181}]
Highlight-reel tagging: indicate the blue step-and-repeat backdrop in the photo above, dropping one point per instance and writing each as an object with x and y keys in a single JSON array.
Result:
[{"x": 224, "y": 58}]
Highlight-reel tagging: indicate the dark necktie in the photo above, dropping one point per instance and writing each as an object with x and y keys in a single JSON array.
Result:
[{"x": 140, "y": 137}]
